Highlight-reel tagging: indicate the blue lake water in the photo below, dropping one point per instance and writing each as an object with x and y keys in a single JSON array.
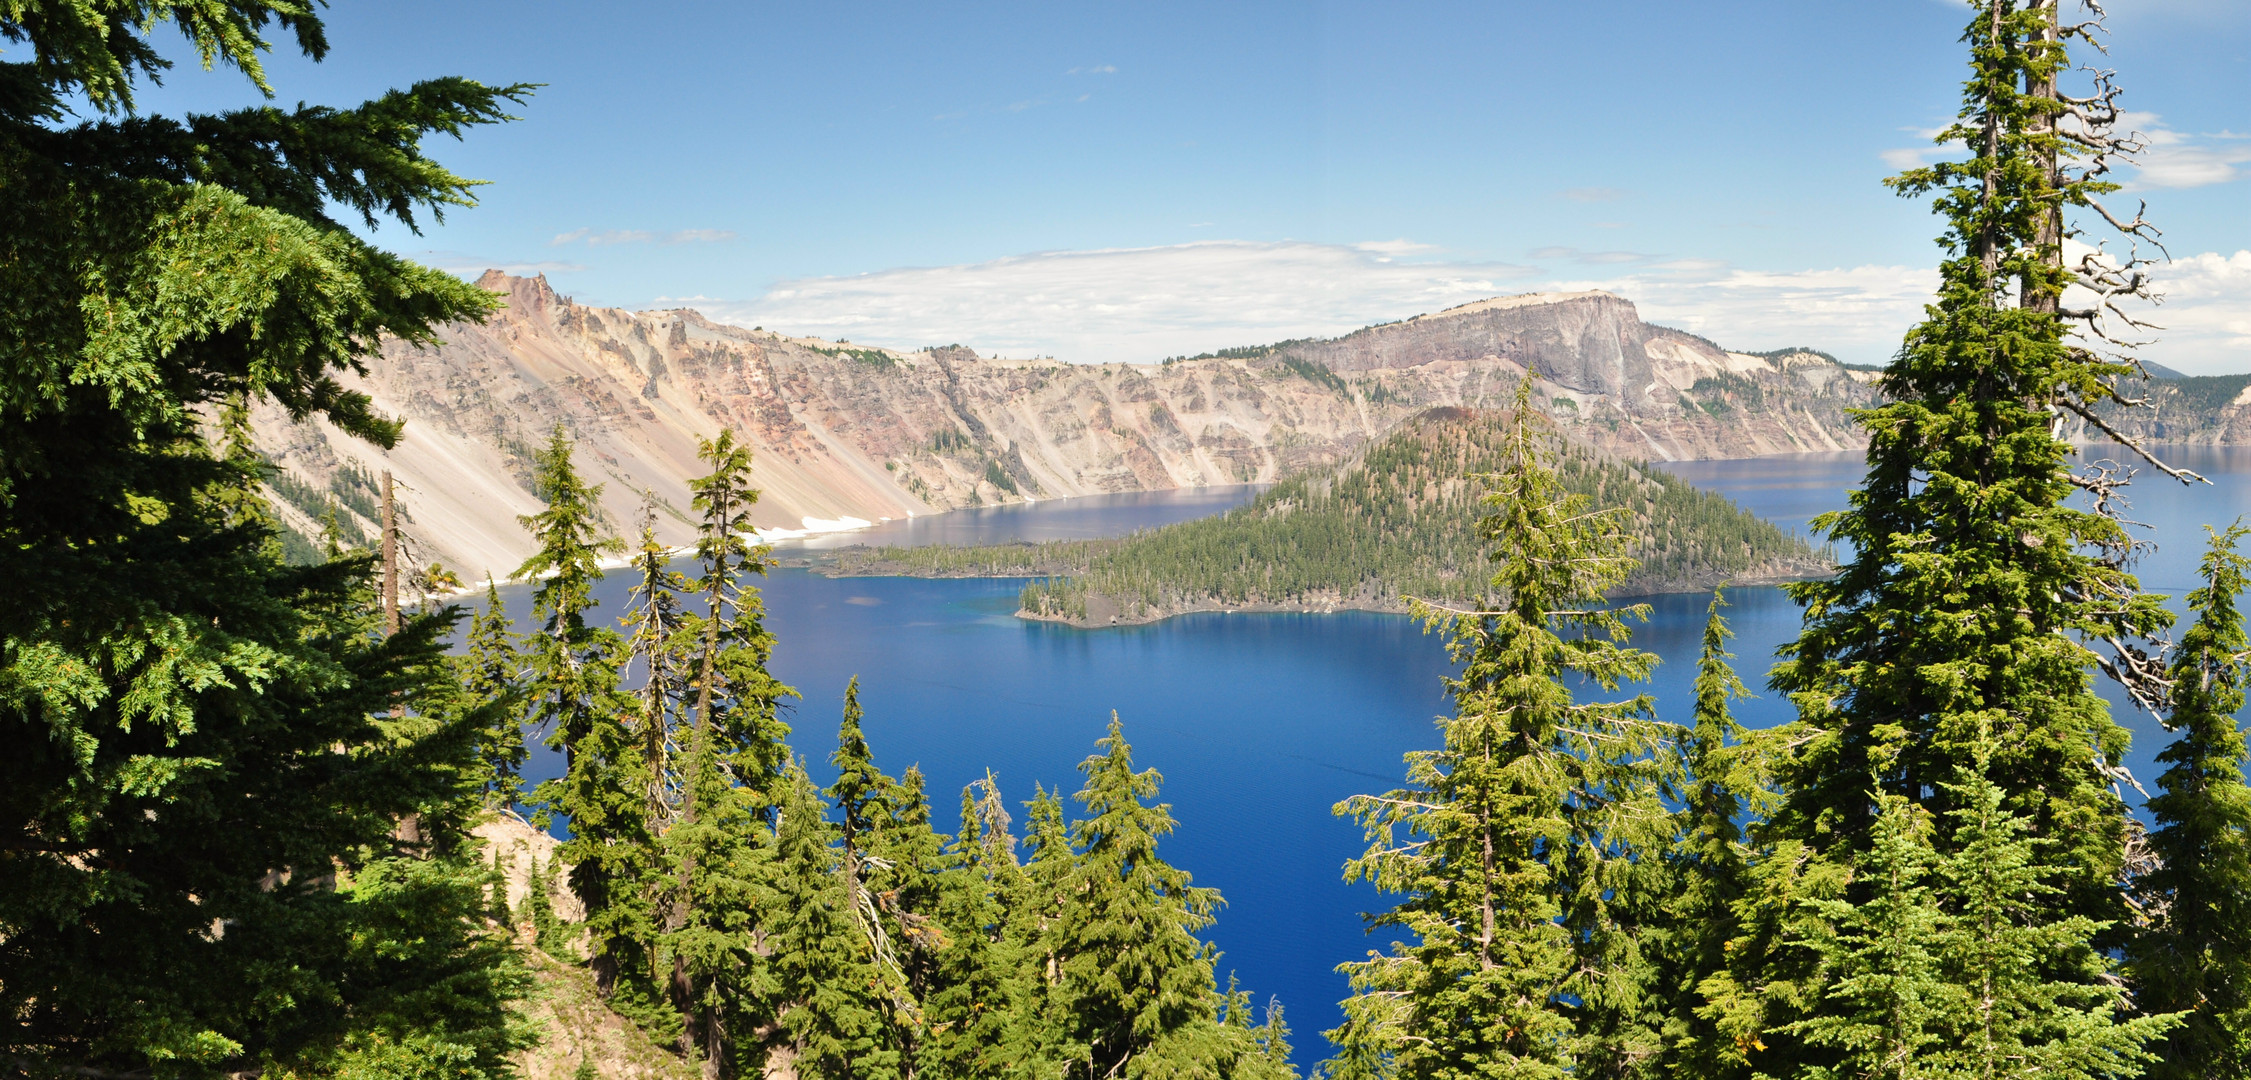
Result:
[{"x": 1259, "y": 723}]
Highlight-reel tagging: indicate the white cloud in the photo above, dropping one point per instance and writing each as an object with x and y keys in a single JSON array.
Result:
[
  {"x": 1591, "y": 257},
  {"x": 1401, "y": 246},
  {"x": 2178, "y": 159},
  {"x": 1594, "y": 194},
  {"x": 2206, "y": 314},
  {"x": 1857, "y": 313},
  {"x": 1130, "y": 304},
  {"x": 699, "y": 236},
  {"x": 1098, "y": 69},
  {"x": 1905, "y": 158},
  {"x": 1142, "y": 304}
]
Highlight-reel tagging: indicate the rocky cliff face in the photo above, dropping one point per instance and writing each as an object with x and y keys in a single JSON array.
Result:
[
  {"x": 843, "y": 431},
  {"x": 2194, "y": 409}
]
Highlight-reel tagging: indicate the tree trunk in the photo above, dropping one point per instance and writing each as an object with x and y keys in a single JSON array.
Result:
[
  {"x": 2049, "y": 241},
  {"x": 390, "y": 560}
]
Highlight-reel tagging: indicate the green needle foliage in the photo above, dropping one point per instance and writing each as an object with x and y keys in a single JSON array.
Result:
[
  {"x": 979, "y": 1009},
  {"x": 1883, "y": 993},
  {"x": 225, "y": 853},
  {"x": 718, "y": 840},
  {"x": 1134, "y": 985},
  {"x": 2025, "y": 992},
  {"x": 1951, "y": 968},
  {"x": 487, "y": 673},
  {"x": 823, "y": 969},
  {"x": 737, "y": 701},
  {"x": 1522, "y": 828},
  {"x": 571, "y": 667},
  {"x": 1964, "y": 616},
  {"x": 1719, "y": 773},
  {"x": 877, "y": 818},
  {"x": 2196, "y": 955}
]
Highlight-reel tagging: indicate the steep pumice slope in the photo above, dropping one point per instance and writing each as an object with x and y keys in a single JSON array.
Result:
[{"x": 843, "y": 431}]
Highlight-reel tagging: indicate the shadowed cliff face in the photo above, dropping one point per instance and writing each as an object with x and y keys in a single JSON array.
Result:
[{"x": 846, "y": 431}]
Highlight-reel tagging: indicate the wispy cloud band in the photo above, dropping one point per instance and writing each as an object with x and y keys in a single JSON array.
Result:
[{"x": 1142, "y": 304}]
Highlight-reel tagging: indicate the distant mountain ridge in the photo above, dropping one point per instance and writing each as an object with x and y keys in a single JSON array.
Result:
[{"x": 844, "y": 431}]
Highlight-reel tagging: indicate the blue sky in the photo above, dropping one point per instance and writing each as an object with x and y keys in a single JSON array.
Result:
[{"x": 1125, "y": 181}]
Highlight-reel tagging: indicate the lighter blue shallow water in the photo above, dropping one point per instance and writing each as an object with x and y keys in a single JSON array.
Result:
[{"x": 1259, "y": 723}]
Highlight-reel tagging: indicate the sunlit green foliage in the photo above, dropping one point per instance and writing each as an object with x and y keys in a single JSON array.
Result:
[
  {"x": 1947, "y": 669},
  {"x": 234, "y": 809},
  {"x": 2196, "y": 957},
  {"x": 1516, "y": 838}
]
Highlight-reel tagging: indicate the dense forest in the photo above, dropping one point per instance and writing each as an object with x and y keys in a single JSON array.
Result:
[
  {"x": 1400, "y": 520},
  {"x": 242, "y": 797}
]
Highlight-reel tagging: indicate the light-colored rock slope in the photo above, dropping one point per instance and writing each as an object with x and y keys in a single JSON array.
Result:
[{"x": 843, "y": 431}]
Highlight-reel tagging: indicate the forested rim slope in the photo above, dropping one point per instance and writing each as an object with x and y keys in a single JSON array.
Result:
[{"x": 1399, "y": 520}]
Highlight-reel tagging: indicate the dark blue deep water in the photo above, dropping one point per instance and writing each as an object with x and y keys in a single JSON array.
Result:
[{"x": 1259, "y": 723}]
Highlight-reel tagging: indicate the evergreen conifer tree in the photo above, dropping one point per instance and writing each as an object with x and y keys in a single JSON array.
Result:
[
  {"x": 1254, "y": 1051},
  {"x": 910, "y": 870},
  {"x": 1035, "y": 910},
  {"x": 823, "y": 969},
  {"x": 719, "y": 844},
  {"x": 889, "y": 857},
  {"x": 977, "y": 1009},
  {"x": 572, "y": 670},
  {"x": 204, "y": 773},
  {"x": 487, "y": 673},
  {"x": 1965, "y": 612},
  {"x": 2027, "y": 994},
  {"x": 1521, "y": 826},
  {"x": 1884, "y": 991},
  {"x": 861, "y": 790},
  {"x": 2196, "y": 955},
  {"x": 1134, "y": 992},
  {"x": 653, "y": 642},
  {"x": 1719, "y": 770}
]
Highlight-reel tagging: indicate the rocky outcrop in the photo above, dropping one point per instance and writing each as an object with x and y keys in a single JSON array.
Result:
[{"x": 842, "y": 431}]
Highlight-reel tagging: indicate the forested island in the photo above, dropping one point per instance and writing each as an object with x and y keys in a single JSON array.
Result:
[{"x": 1399, "y": 521}]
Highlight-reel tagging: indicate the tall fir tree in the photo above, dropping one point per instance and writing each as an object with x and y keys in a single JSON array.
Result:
[
  {"x": 1134, "y": 992},
  {"x": 1883, "y": 993},
  {"x": 824, "y": 973},
  {"x": 1035, "y": 911},
  {"x": 2195, "y": 956},
  {"x": 1719, "y": 770},
  {"x": 653, "y": 643},
  {"x": 910, "y": 867},
  {"x": 488, "y": 676},
  {"x": 204, "y": 773},
  {"x": 1521, "y": 828},
  {"x": 1973, "y": 590},
  {"x": 719, "y": 845},
  {"x": 572, "y": 669},
  {"x": 887, "y": 844},
  {"x": 737, "y": 700},
  {"x": 978, "y": 1009},
  {"x": 2027, "y": 993}
]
